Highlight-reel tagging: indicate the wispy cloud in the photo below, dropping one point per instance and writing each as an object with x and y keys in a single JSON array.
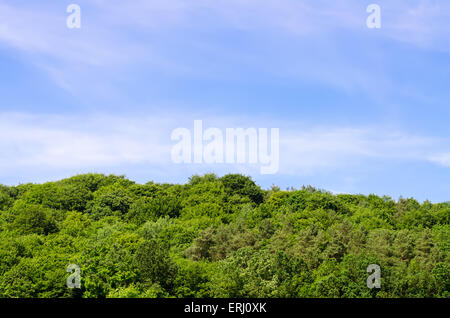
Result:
[
  {"x": 321, "y": 148},
  {"x": 43, "y": 33},
  {"x": 101, "y": 141},
  {"x": 118, "y": 34},
  {"x": 423, "y": 23},
  {"x": 442, "y": 159},
  {"x": 74, "y": 142}
]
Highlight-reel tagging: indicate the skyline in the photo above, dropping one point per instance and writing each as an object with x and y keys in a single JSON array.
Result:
[{"x": 359, "y": 110}]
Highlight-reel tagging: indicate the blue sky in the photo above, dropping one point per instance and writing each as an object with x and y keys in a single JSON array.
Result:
[{"x": 359, "y": 110}]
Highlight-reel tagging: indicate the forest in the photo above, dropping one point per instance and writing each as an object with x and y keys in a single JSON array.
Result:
[{"x": 217, "y": 237}]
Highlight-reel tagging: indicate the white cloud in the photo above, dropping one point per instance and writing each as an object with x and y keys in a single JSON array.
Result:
[
  {"x": 442, "y": 159},
  {"x": 421, "y": 23},
  {"x": 102, "y": 142},
  {"x": 117, "y": 34},
  {"x": 44, "y": 33},
  {"x": 343, "y": 147},
  {"x": 75, "y": 142}
]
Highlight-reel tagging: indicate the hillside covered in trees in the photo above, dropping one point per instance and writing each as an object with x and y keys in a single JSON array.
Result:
[{"x": 216, "y": 237}]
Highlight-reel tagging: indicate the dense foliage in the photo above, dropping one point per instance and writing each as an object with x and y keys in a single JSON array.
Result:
[{"x": 216, "y": 237}]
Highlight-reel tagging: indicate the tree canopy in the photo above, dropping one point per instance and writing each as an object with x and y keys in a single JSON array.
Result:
[{"x": 217, "y": 237}]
